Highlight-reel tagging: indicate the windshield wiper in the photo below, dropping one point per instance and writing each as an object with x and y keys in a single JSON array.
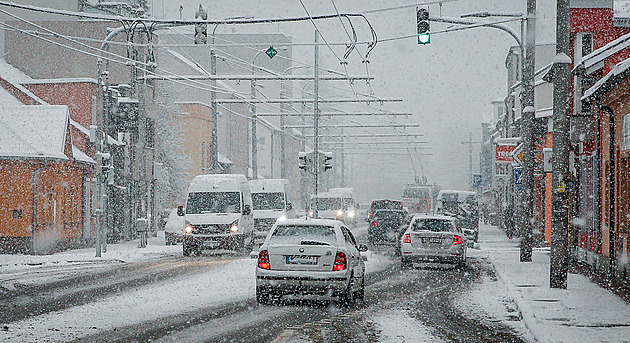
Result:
[{"x": 313, "y": 243}]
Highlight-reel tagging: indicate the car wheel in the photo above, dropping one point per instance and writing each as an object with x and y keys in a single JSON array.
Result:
[
  {"x": 405, "y": 263},
  {"x": 262, "y": 296},
  {"x": 360, "y": 294},
  {"x": 186, "y": 248},
  {"x": 347, "y": 297}
]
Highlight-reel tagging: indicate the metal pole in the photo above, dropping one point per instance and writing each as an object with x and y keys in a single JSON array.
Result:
[
  {"x": 99, "y": 159},
  {"x": 526, "y": 220},
  {"x": 559, "y": 259},
  {"x": 254, "y": 139},
  {"x": 316, "y": 121},
  {"x": 214, "y": 153}
]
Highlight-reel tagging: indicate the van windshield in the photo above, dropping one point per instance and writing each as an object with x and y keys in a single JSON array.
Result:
[
  {"x": 268, "y": 201},
  {"x": 327, "y": 203},
  {"x": 213, "y": 202}
]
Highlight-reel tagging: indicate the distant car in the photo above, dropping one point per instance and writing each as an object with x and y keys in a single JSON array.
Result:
[
  {"x": 174, "y": 227},
  {"x": 385, "y": 226},
  {"x": 310, "y": 256},
  {"x": 437, "y": 239},
  {"x": 382, "y": 204}
]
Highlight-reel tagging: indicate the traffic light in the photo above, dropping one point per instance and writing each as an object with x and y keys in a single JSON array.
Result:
[
  {"x": 423, "y": 26},
  {"x": 201, "y": 29},
  {"x": 306, "y": 161},
  {"x": 326, "y": 161}
]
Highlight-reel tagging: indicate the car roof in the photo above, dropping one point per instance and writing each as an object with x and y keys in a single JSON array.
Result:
[
  {"x": 302, "y": 221},
  {"x": 432, "y": 216}
]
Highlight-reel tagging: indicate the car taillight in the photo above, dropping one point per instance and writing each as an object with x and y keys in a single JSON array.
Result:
[
  {"x": 370, "y": 215},
  {"x": 340, "y": 261},
  {"x": 457, "y": 240},
  {"x": 407, "y": 238},
  {"x": 374, "y": 223},
  {"x": 263, "y": 260}
]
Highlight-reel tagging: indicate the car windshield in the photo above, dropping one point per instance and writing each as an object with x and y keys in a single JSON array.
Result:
[
  {"x": 327, "y": 203},
  {"x": 389, "y": 215},
  {"x": 304, "y": 235},
  {"x": 433, "y": 225},
  {"x": 268, "y": 201},
  {"x": 387, "y": 204},
  {"x": 213, "y": 202}
]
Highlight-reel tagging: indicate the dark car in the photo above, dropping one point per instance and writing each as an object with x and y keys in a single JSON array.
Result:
[
  {"x": 385, "y": 225},
  {"x": 383, "y": 204}
]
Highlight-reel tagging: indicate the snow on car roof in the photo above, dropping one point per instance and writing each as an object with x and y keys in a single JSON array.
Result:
[{"x": 323, "y": 222}]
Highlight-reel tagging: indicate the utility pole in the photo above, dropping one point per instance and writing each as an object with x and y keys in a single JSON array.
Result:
[
  {"x": 214, "y": 153},
  {"x": 316, "y": 120},
  {"x": 559, "y": 259},
  {"x": 525, "y": 220}
]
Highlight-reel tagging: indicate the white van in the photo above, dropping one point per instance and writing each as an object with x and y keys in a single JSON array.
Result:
[
  {"x": 272, "y": 201},
  {"x": 339, "y": 206},
  {"x": 218, "y": 213}
]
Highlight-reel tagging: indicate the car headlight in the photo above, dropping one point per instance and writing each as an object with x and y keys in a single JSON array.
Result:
[
  {"x": 310, "y": 213},
  {"x": 282, "y": 218},
  {"x": 339, "y": 213},
  {"x": 351, "y": 214},
  {"x": 188, "y": 228},
  {"x": 234, "y": 227}
]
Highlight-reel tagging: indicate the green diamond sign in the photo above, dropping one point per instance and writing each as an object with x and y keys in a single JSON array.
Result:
[{"x": 271, "y": 52}]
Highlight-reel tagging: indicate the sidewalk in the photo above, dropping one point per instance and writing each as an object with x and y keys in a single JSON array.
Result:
[{"x": 584, "y": 312}]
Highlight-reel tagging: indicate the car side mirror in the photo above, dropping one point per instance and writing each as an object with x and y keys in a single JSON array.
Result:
[
  {"x": 363, "y": 248},
  {"x": 180, "y": 211},
  {"x": 289, "y": 206},
  {"x": 247, "y": 210}
]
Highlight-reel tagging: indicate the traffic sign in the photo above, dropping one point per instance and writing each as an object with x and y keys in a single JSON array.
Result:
[
  {"x": 517, "y": 155},
  {"x": 271, "y": 52},
  {"x": 518, "y": 178}
]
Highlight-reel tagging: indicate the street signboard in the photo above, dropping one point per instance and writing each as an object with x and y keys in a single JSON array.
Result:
[
  {"x": 518, "y": 178},
  {"x": 504, "y": 153}
]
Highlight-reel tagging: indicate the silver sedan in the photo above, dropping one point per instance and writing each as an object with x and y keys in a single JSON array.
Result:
[
  {"x": 433, "y": 239},
  {"x": 310, "y": 256}
]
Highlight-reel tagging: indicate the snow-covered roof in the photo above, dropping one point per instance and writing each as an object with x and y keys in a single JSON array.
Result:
[
  {"x": 620, "y": 71},
  {"x": 33, "y": 131},
  {"x": 544, "y": 112},
  {"x": 7, "y": 99},
  {"x": 595, "y": 60},
  {"x": 11, "y": 73},
  {"x": 80, "y": 156},
  {"x": 223, "y": 159},
  {"x": 62, "y": 80}
]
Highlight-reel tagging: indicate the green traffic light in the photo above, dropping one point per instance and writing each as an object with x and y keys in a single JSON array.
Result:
[{"x": 424, "y": 38}]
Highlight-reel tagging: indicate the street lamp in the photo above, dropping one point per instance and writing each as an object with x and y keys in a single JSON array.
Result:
[
  {"x": 283, "y": 94},
  {"x": 528, "y": 49}
]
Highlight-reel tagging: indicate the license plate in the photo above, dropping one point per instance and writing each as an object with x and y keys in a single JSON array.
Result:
[
  {"x": 437, "y": 240},
  {"x": 210, "y": 243},
  {"x": 301, "y": 259}
]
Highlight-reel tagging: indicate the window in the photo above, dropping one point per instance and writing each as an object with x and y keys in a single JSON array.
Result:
[
  {"x": 213, "y": 202},
  {"x": 626, "y": 133},
  {"x": 268, "y": 201},
  {"x": 587, "y": 43},
  {"x": 433, "y": 225}
]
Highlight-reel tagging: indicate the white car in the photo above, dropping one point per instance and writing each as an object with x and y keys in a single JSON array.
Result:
[
  {"x": 434, "y": 239},
  {"x": 174, "y": 227},
  {"x": 310, "y": 256}
]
